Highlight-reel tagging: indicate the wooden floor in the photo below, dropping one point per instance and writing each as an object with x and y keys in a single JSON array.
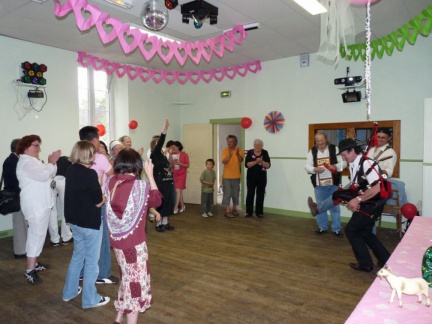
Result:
[{"x": 210, "y": 270}]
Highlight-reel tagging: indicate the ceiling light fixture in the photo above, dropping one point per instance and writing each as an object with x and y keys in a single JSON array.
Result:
[
  {"x": 127, "y": 4},
  {"x": 199, "y": 11},
  {"x": 314, "y": 7},
  {"x": 154, "y": 15},
  {"x": 171, "y": 4}
]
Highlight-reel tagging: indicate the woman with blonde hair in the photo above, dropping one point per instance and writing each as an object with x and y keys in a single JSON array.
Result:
[{"x": 83, "y": 201}]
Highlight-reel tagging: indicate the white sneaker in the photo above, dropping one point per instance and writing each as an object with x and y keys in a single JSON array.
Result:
[
  {"x": 209, "y": 214},
  {"x": 204, "y": 215},
  {"x": 69, "y": 299},
  {"x": 103, "y": 301}
]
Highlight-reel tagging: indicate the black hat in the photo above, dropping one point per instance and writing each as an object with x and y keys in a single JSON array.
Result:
[
  {"x": 348, "y": 144},
  {"x": 385, "y": 131}
]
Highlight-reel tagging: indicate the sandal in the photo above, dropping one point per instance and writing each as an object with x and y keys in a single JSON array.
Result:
[
  {"x": 235, "y": 212},
  {"x": 228, "y": 214}
]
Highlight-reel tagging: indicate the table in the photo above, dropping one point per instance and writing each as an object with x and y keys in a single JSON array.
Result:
[{"x": 405, "y": 261}]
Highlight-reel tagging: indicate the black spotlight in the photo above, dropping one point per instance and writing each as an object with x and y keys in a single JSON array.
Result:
[
  {"x": 213, "y": 19},
  {"x": 353, "y": 96},
  {"x": 171, "y": 4}
]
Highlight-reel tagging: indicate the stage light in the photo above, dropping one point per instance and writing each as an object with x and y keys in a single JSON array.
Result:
[
  {"x": 353, "y": 96},
  {"x": 33, "y": 73},
  {"x": 171, "y": 4},
  {"x": 199, "y": 10},
  {"x": 213, "y": 19}
]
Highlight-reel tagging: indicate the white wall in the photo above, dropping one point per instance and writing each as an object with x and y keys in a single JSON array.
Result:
[
  {"x": 57, "y": 123},
  {"x": 400, "y": 85},
  {"x": 307, "y": 95}
]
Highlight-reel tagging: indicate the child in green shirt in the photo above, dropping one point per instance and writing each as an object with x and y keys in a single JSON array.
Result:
[{"x": 208, "y": 178}]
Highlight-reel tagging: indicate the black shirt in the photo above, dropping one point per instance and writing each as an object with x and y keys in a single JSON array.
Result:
[{"x": 82, "y": 194}]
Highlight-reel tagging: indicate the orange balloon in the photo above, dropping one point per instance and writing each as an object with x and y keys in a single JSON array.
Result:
[{"x": 101, "y": 130}]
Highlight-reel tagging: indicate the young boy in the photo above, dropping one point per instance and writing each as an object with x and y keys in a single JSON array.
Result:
[{"x": 208, "y": 177}]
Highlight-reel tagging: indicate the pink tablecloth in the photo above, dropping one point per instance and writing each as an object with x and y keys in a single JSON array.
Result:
[{"x": 404, "y": 262}]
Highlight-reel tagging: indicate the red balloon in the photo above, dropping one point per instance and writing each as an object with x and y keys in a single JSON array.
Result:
[
  {"x": 101, "y": 129},
  {"x": 246, "y": 122},
  {"x": 133, "y": 124},
  {"x": 409, "y": 210}
]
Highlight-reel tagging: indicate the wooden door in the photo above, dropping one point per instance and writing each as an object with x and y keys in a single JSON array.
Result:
[{"x": 198, "y": 144}]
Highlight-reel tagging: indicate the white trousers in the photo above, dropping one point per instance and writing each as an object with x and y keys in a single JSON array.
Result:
[{"x": 57, "y": 213}]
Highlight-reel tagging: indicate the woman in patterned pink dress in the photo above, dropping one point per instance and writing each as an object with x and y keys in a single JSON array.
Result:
[
  {"x": 128, "y": 198},
  {"x": 180, "y": 163}
]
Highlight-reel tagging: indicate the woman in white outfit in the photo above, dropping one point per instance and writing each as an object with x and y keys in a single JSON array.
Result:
[{"x": 35, "y": 178}]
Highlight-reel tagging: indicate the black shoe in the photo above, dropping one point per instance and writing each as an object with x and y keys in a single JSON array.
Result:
[
  {"x": 260, "y": 215},
  {"x": 20, "y": 256},
  {"x": 357, "y": 267},
  {"x": 338, "y": 234},
  {"x": 32, "y": 277},
  {"x": 380, "y": 264},
  {"x": 68, "y": 241},
  {"x": 168, "y": 227},
  {"x": 248, "y": 215},
  {"x": 160, "y": 228},
  {"x": 320, "y": 231},
  {"x": 313, "y": 207},
  {"x": 55, "y": 244},
  {"x": 39, "y": 266}
]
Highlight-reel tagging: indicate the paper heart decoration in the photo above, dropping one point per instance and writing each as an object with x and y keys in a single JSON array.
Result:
[
  {"x": 168, "y": 76},
  {"x": 149, "y": 46}
]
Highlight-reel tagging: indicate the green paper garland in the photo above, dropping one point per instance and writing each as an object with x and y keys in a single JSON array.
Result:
[{"x": 422, "y": 24}]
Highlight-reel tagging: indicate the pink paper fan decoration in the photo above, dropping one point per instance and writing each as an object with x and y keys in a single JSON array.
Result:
[{"x": 274, "y": 122}]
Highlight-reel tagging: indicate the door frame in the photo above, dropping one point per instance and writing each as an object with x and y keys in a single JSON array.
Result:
[{"x": 229, "y": 121}]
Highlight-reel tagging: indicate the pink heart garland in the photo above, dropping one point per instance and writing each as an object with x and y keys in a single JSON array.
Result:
[
  {"x": 182, "y": 77},
  {"x": 218, "y": 74},
  {"x": 184, "y": 48},
  {"x": 194, "y": 77},
  {"x": 230, "y": 73},
  {"x": 241, "y": 70},
  {"x": 158, "y": 76},
  {"x": 161, "y": 46},
  {"x": 195, "y": 53},
  {"x": 144, "y": 75},
  {"x": 218, "y": 46},
  {"x": 254, "y": 66},
  {"x": 206, "y": 76},
  {"x": 105, "y": 38},
  {"x": 170, "y": 76},
  {"x": 129, "y": 46},
  {"x": 206, "y": 51},
  {"x": 132, "y": 72},
  {"x": 153, "y": 40}
]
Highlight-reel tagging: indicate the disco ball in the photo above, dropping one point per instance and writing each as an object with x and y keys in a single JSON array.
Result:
[{"x": 154, "y": 15}]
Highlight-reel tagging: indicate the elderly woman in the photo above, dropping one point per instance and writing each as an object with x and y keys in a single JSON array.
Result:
[
  {"x": 127, "y": 142},
  {"x": 257, "y": 163},
  {"x": 35, "y": 179},
  {"x": 115, "y": 148},
  {"x": 19, "y": 224}
]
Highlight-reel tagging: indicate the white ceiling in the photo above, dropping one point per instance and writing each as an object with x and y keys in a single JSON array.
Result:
[{"x": 286, "y": 30}]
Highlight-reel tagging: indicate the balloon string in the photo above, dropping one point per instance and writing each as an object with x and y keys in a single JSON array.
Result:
[{"x": 368, "y": 61}]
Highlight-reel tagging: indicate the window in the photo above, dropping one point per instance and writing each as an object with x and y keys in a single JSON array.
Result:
[
  {"x": 93, "y": 96},
  {"x": 360, "y": 130}
]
